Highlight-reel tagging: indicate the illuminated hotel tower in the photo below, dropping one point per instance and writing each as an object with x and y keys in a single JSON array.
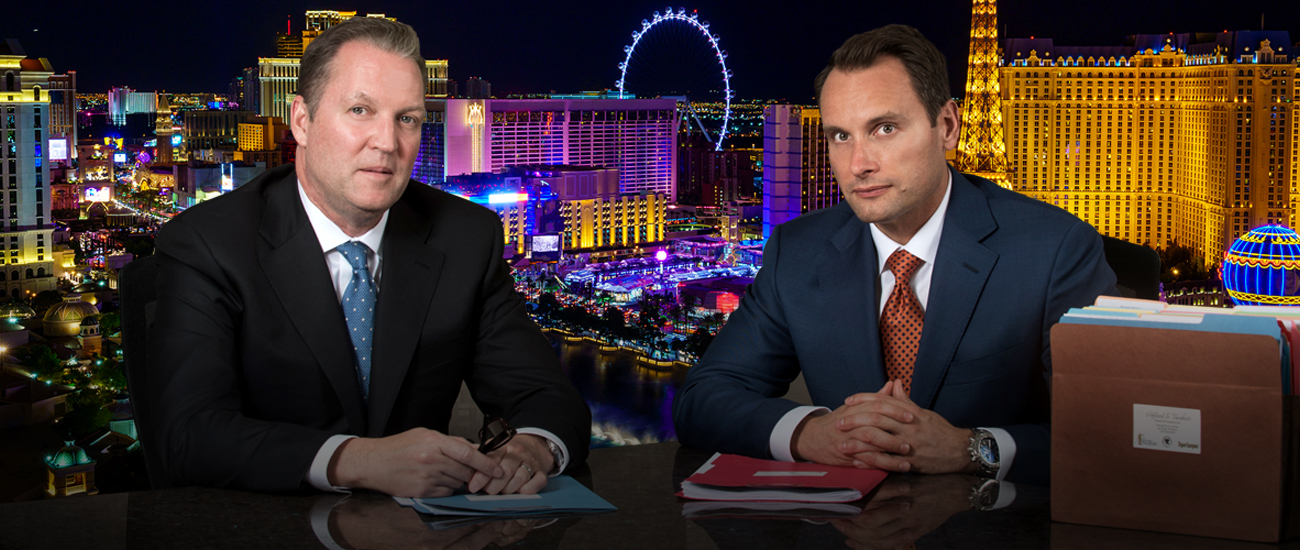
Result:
[
  {"x": 26, "y": 264},
  {"x": 1186, "y": 138},
  {"x": 278, "y": 76},
  {"x": 983, "y": 150},
  {"x": 636, "y": 136},
  {"x": 797, "y": 175}
]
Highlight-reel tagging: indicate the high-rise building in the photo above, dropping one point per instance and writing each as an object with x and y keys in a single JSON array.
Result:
[
  {"x": 26, "y": 247},
  {"x": 582, "y": 205},
  {"x": 431, "y": 159},
  {"x": 797, "y": 176},
  {"x": 636, "y": 136},
  {"x": 277, "y": 77},
  {"x": 288, "y": 45},
  {"x": 260, "y": 139},
  {"x": 124, "y": 101},
  {"x": 707, "y": 177},
  {"x": 251, "y": 92},
  {"x": 278, "y": 83},
  {"x": 477, "y": 88},
  {"x": 213, "y": 129},
  {"x": 63, "y": 113},
  {"x": 982, "y": 150},
  {"x": 1175, "y": 138}
]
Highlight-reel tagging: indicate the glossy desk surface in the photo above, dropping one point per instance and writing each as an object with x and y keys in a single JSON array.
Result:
[{"x": 928, "y": 511}]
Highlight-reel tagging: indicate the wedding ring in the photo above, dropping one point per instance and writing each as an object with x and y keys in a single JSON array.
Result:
[{"x": 525, "y": 466}]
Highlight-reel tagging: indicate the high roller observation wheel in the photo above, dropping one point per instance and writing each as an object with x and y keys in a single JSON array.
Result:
[{"x": 693, "y": 20}]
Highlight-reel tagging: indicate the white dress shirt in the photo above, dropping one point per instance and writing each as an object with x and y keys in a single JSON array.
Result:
[
  {"x": 925, "y": 246},
  {"x": 331, "y": 236}
]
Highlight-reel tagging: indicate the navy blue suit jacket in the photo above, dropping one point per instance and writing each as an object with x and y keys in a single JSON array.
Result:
[{"x": 1007, "y": 267}]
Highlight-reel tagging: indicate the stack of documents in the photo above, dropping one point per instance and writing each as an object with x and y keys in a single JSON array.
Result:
[
  {"x": 1278, "y": 322},
  {"x": 737, "y": 478},
  {"x": 719, "y": 509},
  {"x": 562, "y": 496}
]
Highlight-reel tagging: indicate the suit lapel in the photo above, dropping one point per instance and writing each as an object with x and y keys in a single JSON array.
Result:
[
  {"x": 296, "y": 269},
  {"x": 962, "y": 266},
  {"x": 409, "y": 276},
  {"x": 849, "y": 299}
]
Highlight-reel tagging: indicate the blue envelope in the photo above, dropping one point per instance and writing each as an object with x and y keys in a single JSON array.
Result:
[{"x": 562, "y": 494}]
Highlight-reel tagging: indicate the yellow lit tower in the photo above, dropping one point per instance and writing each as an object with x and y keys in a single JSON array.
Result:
[{"x": 982, "y": 150}]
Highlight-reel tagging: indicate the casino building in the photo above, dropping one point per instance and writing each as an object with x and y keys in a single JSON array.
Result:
[
  {"x": 1187, "y": 138},
  {"x": 277, "y": 77},
  {"x": 26, "y": 248},
  {"x": 637, "y": 137},
  {"x": 580, "y": 205}
]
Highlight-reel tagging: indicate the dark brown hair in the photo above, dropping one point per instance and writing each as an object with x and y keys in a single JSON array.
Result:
[
  {"x": 924, "y": 64},
  {"x": 318, "y": 59}
]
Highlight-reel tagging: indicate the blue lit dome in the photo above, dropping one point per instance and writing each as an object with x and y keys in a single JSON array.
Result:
[
  {"x": 69, "y": 455},
  {"x": 1263, "y": 267}
]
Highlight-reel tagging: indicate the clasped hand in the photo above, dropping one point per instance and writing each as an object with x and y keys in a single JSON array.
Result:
[
  {"x": 426, "y": 463},
  {"x": 884, "y": 430}
]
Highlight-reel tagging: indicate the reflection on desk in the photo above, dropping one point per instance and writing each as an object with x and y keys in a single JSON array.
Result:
[{"x": 933, "y": 511}]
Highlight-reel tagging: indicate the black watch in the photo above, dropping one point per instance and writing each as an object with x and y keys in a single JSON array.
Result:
[{"x": 984, "y": 452}]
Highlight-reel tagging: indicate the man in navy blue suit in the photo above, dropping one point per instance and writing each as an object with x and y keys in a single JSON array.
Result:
[{"x": 918, "y": 309}]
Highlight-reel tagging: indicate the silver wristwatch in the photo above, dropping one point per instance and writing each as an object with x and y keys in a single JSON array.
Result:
[
  {"x": 556, "y": 454},
  {"x": 984, "y": 496},
  {"x": 984, "y": 453}
]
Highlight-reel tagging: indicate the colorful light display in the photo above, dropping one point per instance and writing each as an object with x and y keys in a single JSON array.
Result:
[
  {"x": 98, "y": 194},
  {"x": 58, "y": 149},
  {"x": 1263, "y": 267},
  {"x": 692, "y": 19}
]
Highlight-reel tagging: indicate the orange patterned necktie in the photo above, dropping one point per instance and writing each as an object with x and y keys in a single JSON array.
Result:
[{"x": 901, "y": 323}]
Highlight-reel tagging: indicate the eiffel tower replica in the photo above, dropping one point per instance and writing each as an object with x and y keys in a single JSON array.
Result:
[{"x": 982, "y": 150}]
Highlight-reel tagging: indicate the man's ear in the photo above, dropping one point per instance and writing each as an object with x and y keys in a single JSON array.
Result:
[{"x": 299, "y": 120}]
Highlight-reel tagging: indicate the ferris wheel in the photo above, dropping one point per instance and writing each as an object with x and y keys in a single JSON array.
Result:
[{"x": 675, "y": 55}]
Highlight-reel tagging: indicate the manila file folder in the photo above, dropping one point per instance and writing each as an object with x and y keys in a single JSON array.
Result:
[{"x": 1172, "y": 430}]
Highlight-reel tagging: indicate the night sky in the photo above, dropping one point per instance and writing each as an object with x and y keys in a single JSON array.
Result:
[{"x": 775, "y": 47}]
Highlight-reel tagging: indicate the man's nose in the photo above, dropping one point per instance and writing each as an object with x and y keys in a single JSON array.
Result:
[
  {"x": 865, "y": 159},
  {"x": 384, "y": 137}
]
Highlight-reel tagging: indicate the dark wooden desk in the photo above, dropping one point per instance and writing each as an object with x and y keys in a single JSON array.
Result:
[{"x": 640, "y": 480}]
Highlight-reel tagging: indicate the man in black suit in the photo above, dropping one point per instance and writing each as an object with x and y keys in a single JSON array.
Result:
[{"x": 264, "y": 382}]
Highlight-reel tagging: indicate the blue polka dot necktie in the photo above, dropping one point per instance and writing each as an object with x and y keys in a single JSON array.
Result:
[
  {"x": 359, "y": 309},
  {"x": 902, "y": 320}
]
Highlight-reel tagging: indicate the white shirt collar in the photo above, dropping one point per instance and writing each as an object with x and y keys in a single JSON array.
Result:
[
  {"x": 331, "y": 236},
  {"x": 924, "y": 245}
]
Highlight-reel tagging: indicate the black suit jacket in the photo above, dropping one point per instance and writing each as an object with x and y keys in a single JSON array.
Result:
[{"x": 254, "y": 367}]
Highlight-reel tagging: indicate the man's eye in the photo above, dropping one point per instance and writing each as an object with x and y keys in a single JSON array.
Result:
[
  {"x": 840, "y": 136},
  {"x": 358, "y": 110},
  {"x": 887, "y": 129}
]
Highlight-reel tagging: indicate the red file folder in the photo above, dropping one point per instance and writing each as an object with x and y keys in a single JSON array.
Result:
[{"x": 733, "y": 477}]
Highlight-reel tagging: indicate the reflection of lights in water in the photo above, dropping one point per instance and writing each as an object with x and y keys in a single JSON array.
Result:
[{"x": 613, "y": 435}]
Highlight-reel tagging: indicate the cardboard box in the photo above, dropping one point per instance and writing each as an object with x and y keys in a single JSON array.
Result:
[{"x": 1123, "y": 452}]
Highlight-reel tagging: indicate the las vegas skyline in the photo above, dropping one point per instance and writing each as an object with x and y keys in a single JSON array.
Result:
[{"x": 775, "y": 48}]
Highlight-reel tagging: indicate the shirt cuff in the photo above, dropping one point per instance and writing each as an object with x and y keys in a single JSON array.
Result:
[
  {"x": 320, "y": 521},
  {"x": 318, "y": 475},
  {"x": 562, "y": 461},
  {"x": 779, "y": 444},
  {"x": 1006, "y": 494},
  {"x": 1006, "y": 451}
]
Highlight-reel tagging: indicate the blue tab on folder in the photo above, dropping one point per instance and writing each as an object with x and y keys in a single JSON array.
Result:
[{"x": 1266, "y": 326}]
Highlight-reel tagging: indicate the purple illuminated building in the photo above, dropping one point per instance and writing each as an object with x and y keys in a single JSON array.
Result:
[{"x": 637, "y": 137}]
